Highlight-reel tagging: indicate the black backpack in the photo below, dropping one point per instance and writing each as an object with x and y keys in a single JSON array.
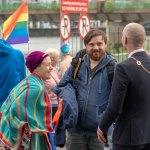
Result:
[{"x": 110, "y": 70}]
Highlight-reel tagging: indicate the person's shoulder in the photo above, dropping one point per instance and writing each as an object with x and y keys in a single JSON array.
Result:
[
  {"x": 110, "y": 60},
  {"x": 18, "y": 52},
  {"x": 81, "y": 53},
  {"x": 17, "y": 55},
  {"x": 127, "y": 61},
  {"x": 34, "y": 81},
  {"x": 110, "y": 56},
  {"x": 125, "y": 65},
  {"x": 62, "y": 63},
  {"x": 70, "y": 59},
  {"x": 66, "y": 61}
]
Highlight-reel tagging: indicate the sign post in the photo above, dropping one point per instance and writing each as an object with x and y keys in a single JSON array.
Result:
[
  {"x": 83, "y": 25},
  {"x": 73, "y": 6},
  {"x": 65, "y": 27}
]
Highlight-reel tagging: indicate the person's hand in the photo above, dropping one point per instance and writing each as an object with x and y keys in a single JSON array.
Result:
[{"x": 100, "y": 136}]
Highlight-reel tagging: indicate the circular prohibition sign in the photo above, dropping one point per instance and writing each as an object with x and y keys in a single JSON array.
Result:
[
  {"x": 83, "y": 25},
  {"x": 65, "y": 27}
]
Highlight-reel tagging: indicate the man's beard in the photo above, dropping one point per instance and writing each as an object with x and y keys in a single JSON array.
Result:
[{"x": 96, "y": 55}]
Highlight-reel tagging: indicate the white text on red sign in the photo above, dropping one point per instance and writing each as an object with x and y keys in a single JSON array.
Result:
[{"x": 75, "y": 6}]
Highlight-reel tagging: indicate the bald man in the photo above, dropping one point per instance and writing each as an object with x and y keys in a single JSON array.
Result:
[{"x": 129, "y": 102}]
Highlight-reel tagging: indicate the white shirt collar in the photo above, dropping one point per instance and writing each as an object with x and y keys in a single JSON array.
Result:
[{"x": 135, "y": 51}]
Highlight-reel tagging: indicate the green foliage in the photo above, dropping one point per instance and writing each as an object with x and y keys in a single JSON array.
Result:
[
  {"x": 147, "y": 44},
  {"x": 108, "y": 6},
  {"x": 55, "y": 6},
  {"x": 117, "y": 51},
  {"x": 134, "y": 4},
  {"x": 9, "y": 7},
  {"x": 37, "y": 6},
  {"x": 92, "y": 5}
]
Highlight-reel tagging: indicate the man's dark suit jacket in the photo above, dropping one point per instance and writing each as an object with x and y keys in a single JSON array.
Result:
[{"x": 129, "y": 103}]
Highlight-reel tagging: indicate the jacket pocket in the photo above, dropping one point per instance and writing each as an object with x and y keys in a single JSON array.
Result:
[{"x": 91, "y": 117}]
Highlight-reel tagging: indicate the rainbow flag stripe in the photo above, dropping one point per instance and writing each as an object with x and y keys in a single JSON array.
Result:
[{"x": 15, "y": 28}]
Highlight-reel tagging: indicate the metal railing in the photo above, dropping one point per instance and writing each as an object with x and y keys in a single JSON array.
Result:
[{"x": 114, "y": 45}]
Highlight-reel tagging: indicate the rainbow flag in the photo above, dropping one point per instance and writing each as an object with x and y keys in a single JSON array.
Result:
[{"x": 15, "y": 28}]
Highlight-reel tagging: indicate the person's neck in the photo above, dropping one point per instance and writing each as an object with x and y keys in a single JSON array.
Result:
[
  {"x": 94, "y": 63},
  {"x": 130, "y": 50},
  {"x": 38, "y": 76},
  {"x": 66, "y": 56}
]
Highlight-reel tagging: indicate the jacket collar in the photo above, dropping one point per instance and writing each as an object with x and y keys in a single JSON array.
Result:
[
  {"x": 135, "y": 51},
  {"x": 106, "y": 59}
]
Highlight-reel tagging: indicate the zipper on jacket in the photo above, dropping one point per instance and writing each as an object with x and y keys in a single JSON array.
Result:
[
  {"x": 87, "y": 99},
  {"x": 85, "y": 105}
]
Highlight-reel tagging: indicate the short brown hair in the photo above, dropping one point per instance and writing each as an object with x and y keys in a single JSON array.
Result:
[{"x": 93, "y": 33}]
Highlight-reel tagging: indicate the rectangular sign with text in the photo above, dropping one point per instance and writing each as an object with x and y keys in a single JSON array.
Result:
[{"x": 74, "y": 6}]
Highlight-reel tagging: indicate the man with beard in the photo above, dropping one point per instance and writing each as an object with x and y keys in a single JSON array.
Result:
[{"x": 92, "y": 91}]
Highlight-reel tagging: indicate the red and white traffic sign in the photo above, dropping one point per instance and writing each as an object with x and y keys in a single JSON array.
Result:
[
  {"x": 83, "y": 25},
  {"x": 65, "y": 27}
]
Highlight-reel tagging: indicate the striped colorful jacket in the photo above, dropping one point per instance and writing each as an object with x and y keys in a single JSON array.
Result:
[{"x": 27, "y": 103}]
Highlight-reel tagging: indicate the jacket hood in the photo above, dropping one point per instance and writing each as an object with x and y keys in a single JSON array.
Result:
[{"x": 5, "y": 48}]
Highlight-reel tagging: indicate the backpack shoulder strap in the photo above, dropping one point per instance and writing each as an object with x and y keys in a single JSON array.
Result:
[
  {"x": 110, "y": 70},
  {"x": 77, "y": 68}
]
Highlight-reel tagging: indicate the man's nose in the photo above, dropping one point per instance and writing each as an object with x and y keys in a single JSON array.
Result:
[{"x": 95, "y": 46}]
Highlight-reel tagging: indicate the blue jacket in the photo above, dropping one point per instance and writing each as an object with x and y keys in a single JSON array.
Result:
[
  {"x": 12, "y": 69},
  {"x": 69, "y": 114},
  {"x": 92, "y": 94}
]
